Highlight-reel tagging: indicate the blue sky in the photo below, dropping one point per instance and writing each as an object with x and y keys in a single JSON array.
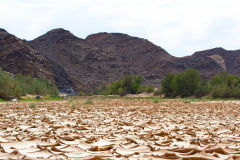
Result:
[{"x": 179, "y": 26}]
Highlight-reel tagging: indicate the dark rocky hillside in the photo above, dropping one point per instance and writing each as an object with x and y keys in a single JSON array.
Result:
[
  {"x": 16, "y": 56},
  {"x": 214, "y": 61},
  {"x": 144, "y": 57},
  {"x": 87, "y": 66},
  {"x": 72, "y": 62}
]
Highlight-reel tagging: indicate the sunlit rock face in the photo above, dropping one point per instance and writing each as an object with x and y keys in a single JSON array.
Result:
[{"x": 120, "y": 129}]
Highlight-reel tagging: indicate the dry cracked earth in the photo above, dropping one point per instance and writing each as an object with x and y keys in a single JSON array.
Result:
[{"x": 120, "y": 129}]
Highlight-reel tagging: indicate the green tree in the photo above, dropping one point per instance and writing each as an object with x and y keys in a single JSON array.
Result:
[
  {"x": 167, "y": 85},
  {"x": 183, "y": 84}
]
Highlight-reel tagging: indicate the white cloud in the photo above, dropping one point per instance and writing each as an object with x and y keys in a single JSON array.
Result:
[{"x": 180, "y": 27}]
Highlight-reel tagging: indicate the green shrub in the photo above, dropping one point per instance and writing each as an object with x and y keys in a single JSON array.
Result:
[
  {"x": 32, "y": 105},
  {"x": 158, "y": 91},
  {"x": 32, "y": 85},
  {"x": 129, "y": 85},
  {"x": 81, "y": 93},
  {"x": 73, "y": 105},
  {"x": 167, "y": 85},
  {"x": 148, "y": 89},
  {"x": 184, "y": 84},
  {"x": 201, "y": 91},
  {"x": 71, "y": 100},
  {"x": 88, "y": 101},
  {"x": 103, "y": 90},
  {"x": 225, "y": 86},
  {"x": 21, "y": 85},
  {"x": 155, "y": 100},
  {"x": 189, "y": 83}
]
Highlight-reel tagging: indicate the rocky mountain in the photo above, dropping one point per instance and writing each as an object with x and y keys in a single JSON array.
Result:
[
  {"x": 87, "y": 66},
  {"x": 16, "y": 56},
  {"x": 153, "y": 62},
  {"x": 214, "y": 61},
  {"x": 72, "y": 62},
  {"x": 142, "y": 56},
  {"x": 105, "y": 57}
]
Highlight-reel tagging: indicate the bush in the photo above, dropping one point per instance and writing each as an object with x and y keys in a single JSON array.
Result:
[
  {"x": 8, "y": 87},
  {"x": 184, "y": 84},
  {"x": 225, "y": 86},
  {"x": 167, "y": 85},
  {"x": 148, "y": 89},
  {"x": 201, "y": 91},
  {"x": 21, "y": 85},
  {"x": 155, "y": 100},
  {"x": 130, "y": 84},
  {"x": 158, "y": 91},
  {"x": 88, "y": 101},
  {"x": 38, "y": 86},
  {"x": 32, "y": 105},
  {"x": 189, "y": 83}
]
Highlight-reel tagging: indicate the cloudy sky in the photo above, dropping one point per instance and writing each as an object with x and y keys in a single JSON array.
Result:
[{"x": 179, "y": 26}]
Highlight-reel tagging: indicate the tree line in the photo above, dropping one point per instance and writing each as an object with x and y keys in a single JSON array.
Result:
[
  {"x": 189, "y": 83},
  {"x": 184, "y": 84},
  {"x": 130, "y": 84}
]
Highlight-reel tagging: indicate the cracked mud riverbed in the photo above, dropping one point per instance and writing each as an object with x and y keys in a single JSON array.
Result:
[{"x": 120, "y": 129}]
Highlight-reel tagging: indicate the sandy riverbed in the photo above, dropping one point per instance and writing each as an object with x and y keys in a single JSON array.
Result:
[{"x": 120, "y": 129}]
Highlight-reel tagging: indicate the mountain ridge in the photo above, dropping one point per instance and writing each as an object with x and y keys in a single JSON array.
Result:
[
  {"x": 16, "y": 56},
  {"x": 104, "y": 57}
]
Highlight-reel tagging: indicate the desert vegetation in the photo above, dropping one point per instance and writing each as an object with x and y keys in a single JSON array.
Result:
[
  {"x": 131, "y": 84},
  {"x": 19, "y": 85},
  {"x": 189, "y": 83}
]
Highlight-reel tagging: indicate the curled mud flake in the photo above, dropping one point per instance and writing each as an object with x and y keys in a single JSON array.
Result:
[
  {"x": 98, "y": 158},
  {"x": 125, "y": 152},
  {"x": 169, "y": 156},
  {"x": 91, "y": 140},
  {"x": 39, "y": 154},
  {"x": 236, "y": 157},
  {"x": 131, "y": 140},
  {"x": 67, "y": 138},
  {"x": 152, "y": 148},
  {"x": 78, "y": 155},
  {"x": 217, "y": 150},
  {"x": 47, "y": 144},
  {"x": 53, "y": 148},
  {"x": 162, "y": 133},
  {"x": 186, "y": 150}
]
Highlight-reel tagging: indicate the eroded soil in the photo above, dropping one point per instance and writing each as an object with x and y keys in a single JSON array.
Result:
[{"x": 120, "y": 129}]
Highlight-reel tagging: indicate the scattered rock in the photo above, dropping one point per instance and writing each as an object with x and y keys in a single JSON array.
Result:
[{"x": 38, "y": 97}]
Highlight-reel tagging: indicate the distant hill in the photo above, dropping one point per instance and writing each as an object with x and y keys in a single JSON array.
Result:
[{"x": 72, "y": 62}]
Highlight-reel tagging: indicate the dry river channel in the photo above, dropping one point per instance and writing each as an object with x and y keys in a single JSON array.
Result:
[{"x": 136, "y": 129}]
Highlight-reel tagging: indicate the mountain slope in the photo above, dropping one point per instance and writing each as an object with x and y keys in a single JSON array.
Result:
[
  {"x": 87, "y": 66},
  {"x": 154, "y": 62},
  {"x": 72, "y": 62},
  {"x": 147, "y": 59},
  {"x": 16, "y": 56},
  {"x": 214, "y": 61}
]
